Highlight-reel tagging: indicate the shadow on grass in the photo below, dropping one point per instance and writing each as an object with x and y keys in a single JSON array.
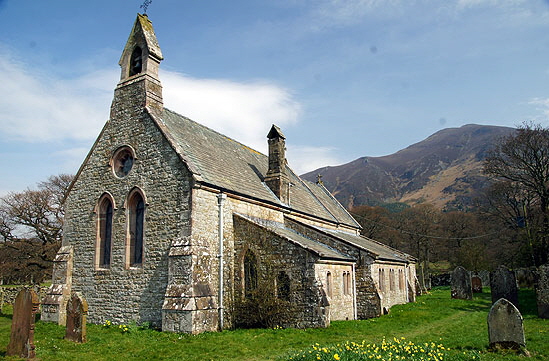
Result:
[
  {"x": 8, "y": 316},
  {"x": 527, "y": 302}
]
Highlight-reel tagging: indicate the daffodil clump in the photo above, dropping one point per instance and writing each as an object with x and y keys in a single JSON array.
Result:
[
  {"x": 397, "y": 349},
  {"x": 122, "y": 328}
]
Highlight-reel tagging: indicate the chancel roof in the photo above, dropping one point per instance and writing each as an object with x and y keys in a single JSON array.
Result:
[
  {"x": 378, "y": 250},
  {"x": 320, "y": 249},
  {"x": 223, "y": 163}
]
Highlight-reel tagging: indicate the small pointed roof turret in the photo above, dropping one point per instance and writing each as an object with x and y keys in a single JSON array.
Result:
[
  {"x": 142, "y": 38},
  {"x": 139, "y": 85}
]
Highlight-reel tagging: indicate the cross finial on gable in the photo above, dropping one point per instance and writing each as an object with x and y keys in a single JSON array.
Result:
[
  {"x": 319, "y": 178},
  {"x": 145, "y": 6}
]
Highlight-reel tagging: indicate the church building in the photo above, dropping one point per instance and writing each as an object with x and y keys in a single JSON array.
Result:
[{"x": 174, "y": 224}]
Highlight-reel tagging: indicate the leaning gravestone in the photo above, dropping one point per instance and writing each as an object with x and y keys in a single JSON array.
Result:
[
  {"x": 77, "y": 311},
  {"x": 503, "y": 284},
  {"x": 505, "y": 328},
  {"x": 542, "y": 291},
  {"x": 461, "y": 284},
  {"x": 22, "y": 325},
  {"x": 476, "y": 282}
]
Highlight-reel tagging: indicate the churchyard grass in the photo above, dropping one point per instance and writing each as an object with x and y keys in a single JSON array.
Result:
[{"x": 457, "y": 325}]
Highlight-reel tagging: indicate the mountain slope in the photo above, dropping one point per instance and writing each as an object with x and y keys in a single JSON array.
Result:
[{"x": 445, "y": 169}]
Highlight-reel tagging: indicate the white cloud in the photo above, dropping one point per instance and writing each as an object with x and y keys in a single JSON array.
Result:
[
  {"x": 349, "y": 12},
  {"x": 464, "y": 4},
  {"x": 243, "y": 111},
  {"x": 35, "y": 107},
  {"x": 303, "y": 159},
  {"x": 542, "y": 105},
  {"x": 70, "y": 159}
]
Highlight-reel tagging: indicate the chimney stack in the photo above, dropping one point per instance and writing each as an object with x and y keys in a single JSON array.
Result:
[{"x": 277, "y": 177}]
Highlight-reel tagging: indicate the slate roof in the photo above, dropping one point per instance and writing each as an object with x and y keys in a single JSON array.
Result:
[
  {"x": 320, "y": 249},
  {"x": 378, "y": 250},
  {"x": 221, "y": 162}
]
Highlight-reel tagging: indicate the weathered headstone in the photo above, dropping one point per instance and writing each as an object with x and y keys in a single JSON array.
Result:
[
  {"x": 526, "y": 277},
  {"x": 461, "y": 284},
  {"x": 476, "y": 283},
  {"x": 505, "y": 328},
  {"x": 503, "y": 284},
  {"x": 77, "y": 311},
  {"x": 22, "y": 325},
  {"x": 542, "y": 291}
]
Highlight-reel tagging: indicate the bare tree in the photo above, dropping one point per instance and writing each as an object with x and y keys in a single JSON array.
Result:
[
  {"x": 35, "y": 213},
  {"x": 522, "y": 160},
  {"x": 31, "y": 224}
]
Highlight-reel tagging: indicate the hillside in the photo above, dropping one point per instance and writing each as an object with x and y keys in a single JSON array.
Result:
[{"x": 445, "y": 169}]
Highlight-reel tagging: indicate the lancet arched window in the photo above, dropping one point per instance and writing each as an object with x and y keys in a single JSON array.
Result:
[
  {"x": 104, "y": 234},
  {"x": 329, "y": 285},
  {"x": 136, "y": 61},
  {"x": 136, "y": 220},
  {"x": 283, "y": 286},
  {"x": 250, "y": 274}
]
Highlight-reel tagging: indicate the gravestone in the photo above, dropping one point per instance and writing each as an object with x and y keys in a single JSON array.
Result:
[
  {"x": 505, "y": 328},
  {"x": 77, "y": 311},
  {"x": 526, "y": 277},
  {"x": 542, "y": 291},
  {"x": 22, "y": 325},
  {"x": 461, "y": 284},
  {"x": 503, "y": 284},
  {"x": 476, "y": 283}
]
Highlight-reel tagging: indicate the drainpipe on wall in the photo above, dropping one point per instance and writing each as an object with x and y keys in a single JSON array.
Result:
[
  {"x": 406, "y": 271},
  {"x": 354, "y": 293},
  {"x": 220, "y": 199}
]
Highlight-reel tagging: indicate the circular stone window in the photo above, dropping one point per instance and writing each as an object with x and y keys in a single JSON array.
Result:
[{"x": 122, "y": 161}]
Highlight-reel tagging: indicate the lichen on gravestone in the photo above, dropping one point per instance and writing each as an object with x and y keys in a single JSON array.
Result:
[
  {"x": 542, "y": 291},
  {"x": 503, "y": 284},
  {"x": 505, "y": 327},
  {"x": 77, "y": 311},
  {"x": 22, "y": 325},
  {"x": 461, "y": 284}
]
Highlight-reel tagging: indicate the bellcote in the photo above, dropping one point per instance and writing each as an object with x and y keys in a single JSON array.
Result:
[
  {"x": 139, "y": 85},
  {"x": 142, "y": 54}
]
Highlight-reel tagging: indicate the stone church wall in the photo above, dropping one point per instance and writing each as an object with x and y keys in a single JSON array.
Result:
[
  {"x": 367, "y": 298},
  {"x": 341, "y": 303},
  {"x": 120, "y": 294},
  {"x": 393, "y": 288},
  {"x": 275, "y": 254}
]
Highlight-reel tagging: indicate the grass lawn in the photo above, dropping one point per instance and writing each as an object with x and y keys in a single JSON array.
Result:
[{"x": 456, "y": 324}]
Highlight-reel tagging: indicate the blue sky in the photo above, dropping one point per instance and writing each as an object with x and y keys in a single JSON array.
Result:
[{"x": 342, "y": 78}]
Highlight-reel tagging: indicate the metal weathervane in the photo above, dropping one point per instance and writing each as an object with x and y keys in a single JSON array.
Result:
[{"x": 145, "y": 5}]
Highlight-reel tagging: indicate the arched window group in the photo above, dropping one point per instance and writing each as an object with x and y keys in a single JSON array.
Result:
[
  {"x": 392, "y": 280},
  {"x": 346, "y": 283},
  {"x": 134, "y": 243}
]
